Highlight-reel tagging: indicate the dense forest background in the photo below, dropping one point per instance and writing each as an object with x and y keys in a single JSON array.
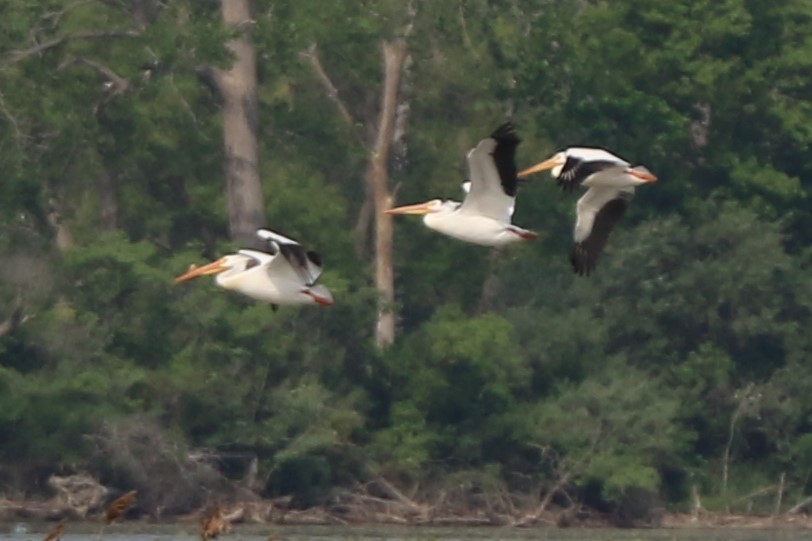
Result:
[{"x": 677, "y": 373}]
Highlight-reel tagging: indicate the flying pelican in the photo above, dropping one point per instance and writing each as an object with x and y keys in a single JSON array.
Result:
[
  {"x": 611, "y": 181},
  {"x": 484, "y": 215},
  {"x": 286, "y": 276}
]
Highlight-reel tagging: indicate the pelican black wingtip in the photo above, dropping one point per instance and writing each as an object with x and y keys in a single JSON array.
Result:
[{"x": 506, "y": 132}]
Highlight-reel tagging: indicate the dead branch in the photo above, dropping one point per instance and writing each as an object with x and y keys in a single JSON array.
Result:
[
  {"x": 466, "y": 39},
  {"x": 12, "y": 120},
  {"x": 411, "y": 10},
  {"x": 361, "y": 229},
  {"x": 462, "y": 521},
  {"x": 63, "y": 238},
  {"x": 185, "y": 103},
  {"x": 367, "y": 499},
  {"x": 396, "y": 495},
  {"x": 56, "y": 16},
  {"x": 312, "y": 56},
  {"x": 19, "y": 55},
  {"x": 798, "y": 506},
  {"x": 119, "y": 83},
  {"x": 141, "y": 12},
  {"x": 779, "y": 494},
  {"x": 758, "y": 492},
  {"x": 747, "y": 399},
  {"x": 13, "y": 322},
  {"x": 491, "y": 284},
  {"x": 562, "y": 482},
  {"x": 533, "y": 517},
  {"x": 696, "y": 503}
]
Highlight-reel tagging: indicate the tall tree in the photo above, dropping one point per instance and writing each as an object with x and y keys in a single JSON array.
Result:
[
  {"x": 238, "y": 88},
  {"x": 394, "y": 58},
  {"x": 377, "y": 139}
]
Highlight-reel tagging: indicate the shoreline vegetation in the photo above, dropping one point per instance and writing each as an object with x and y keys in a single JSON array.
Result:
[
  {"x": 362, "y": 507},
  {"x": 265, "y": 513}
]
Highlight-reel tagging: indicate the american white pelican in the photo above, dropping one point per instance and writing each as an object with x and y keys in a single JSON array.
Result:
[
  {"x": 611, "y": 181},
  {"x": 286, "y": 276},
  {"x": 484, "y": 215},
  {"x": 579, "y": 166}
]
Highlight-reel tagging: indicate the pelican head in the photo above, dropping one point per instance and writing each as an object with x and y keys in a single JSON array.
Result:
[
  {"x": 640, "y": 175},
  {"x": 554, "y": 163},
  {"x": 318, "y": 294}
]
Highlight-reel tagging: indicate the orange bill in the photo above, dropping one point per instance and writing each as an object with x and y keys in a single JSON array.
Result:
[
  {"x": 541, "y": 166},
  {"x": 642, "y": 173},
  {"x": 196, "y": 272},
  {"x": 420, "y": 208},
  {"x": 320, "y": 299}
]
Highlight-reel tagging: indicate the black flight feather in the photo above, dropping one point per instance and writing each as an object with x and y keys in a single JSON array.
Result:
[
  {"x": 584, "y": 255},
  {"x": 504, "y": 156},
  {"x": 576, "y": 171}
]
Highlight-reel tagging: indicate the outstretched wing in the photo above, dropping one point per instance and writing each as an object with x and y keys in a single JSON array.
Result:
[
  {"x": 598, "y": 210},
  {"x": 576, "y": 171},
  {"x": 306, "y": 263},
  {"x": 492, "y": 169}
]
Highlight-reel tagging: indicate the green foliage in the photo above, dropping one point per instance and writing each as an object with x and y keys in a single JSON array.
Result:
[
  {"x": 448, "y": 395},
  {"x": 615, "y": 429}
]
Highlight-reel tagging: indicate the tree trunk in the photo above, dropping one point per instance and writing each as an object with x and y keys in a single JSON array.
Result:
[
  {"x": 490, "y": 287},
  {"x": 378, "y": 195},
  {"x": 108, "y": 200},
  {"x": 238, "y": 88},
  {"x": 394, "y": 56},
  {"x": 63, "y": 238}
]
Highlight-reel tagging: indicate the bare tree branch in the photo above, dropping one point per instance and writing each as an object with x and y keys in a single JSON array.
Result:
[
  {"x": 19, "y": 55},
  {"x": 12, "y": 120},
  {"x": 779, "y": 494},
  {"x": 798, "y": 506},
  {"x": 120, "y": 84},
  {"x": 465, "y": 37},
  {"x": 13, "y": 322},
  {"x": 56, "y": 16},
  {"x": 185, "y": 103},
  {"x": 141, "y": 12},
  {"x": 360, "y": 232},
  {"x": 312, "y": 56},
  {"x": 411, "y": 9},
  {"x": 563, "y": 479},
  {"x": 747, "y": 398},
  {"x": 393, "y": 493}
]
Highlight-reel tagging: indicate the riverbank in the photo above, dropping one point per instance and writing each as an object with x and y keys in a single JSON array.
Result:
[{"x": 389, "y": 513}]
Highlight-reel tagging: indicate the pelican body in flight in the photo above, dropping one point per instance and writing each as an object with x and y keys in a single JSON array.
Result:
[
  {"x": 611, "y": 181},
  {"x": 286, "y": 275},
  {"x": 484, "y": 215}
]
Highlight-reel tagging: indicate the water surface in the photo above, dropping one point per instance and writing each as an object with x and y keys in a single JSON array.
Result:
[{"x": 21, "y": 531}]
